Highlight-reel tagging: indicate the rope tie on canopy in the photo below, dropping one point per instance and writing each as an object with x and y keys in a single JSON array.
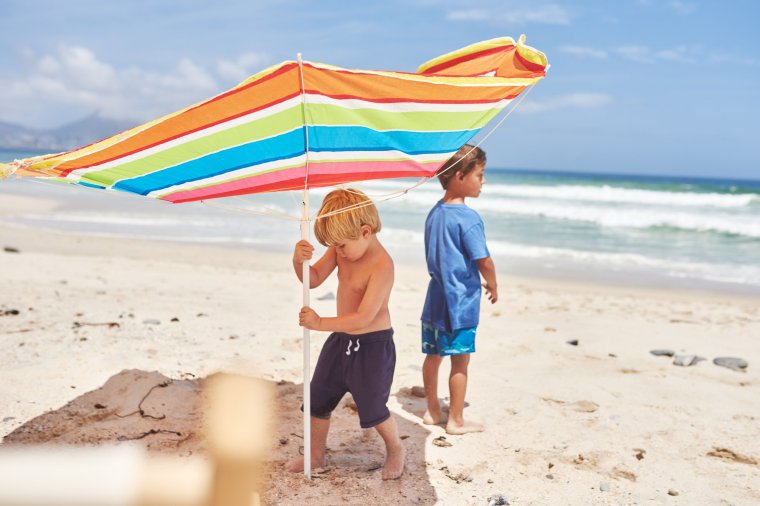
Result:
[{"x": 8, "y": 170}]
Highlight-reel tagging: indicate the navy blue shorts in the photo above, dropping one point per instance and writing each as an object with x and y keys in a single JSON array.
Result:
[{"x": 362, "y": 364}]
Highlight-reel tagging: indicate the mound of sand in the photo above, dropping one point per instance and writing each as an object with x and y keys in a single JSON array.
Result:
[{"x": 165, "y": 415}]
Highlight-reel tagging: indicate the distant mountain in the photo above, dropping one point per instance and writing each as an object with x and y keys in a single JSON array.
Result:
[{"x": 79, "y": 133}]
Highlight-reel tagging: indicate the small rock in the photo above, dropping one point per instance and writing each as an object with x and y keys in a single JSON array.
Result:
[
  {"x": 572, "y": 342},
  {"x": 327, "y": 296},
  {"x": 662, "y": 353},
  {"x": 174, "y": 320},
  {"x": 10, "y": 249},
  {"x": 10, "y": 312},
  {"x": 687, "y": 360},
  {"x": 672, "y": 491},
  {"x": 9, "y": 418},
  {"x": 418, "y": 391},
  {"x": 639, "y": 453},
  {"x": 550, "y": 476},
  {"x": 735, "y": 363},
  {"x": 604, "y": 487},
  {"x": 441, "y": 441},
  {"x": 498, "y": 500},
  {"x": 152, "y": 321},
  {"x": 233, "y": 336}
]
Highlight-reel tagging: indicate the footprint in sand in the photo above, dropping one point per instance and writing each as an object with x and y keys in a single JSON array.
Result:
[
  {"x": 582, "y": 406},
  {"x": 726, "y": 454}
]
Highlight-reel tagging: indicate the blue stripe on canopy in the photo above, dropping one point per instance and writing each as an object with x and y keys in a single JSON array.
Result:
[{"x": 321, "y": 138}]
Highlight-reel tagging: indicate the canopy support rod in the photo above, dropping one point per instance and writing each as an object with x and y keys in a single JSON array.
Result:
[{"x": 306, "y": 235}]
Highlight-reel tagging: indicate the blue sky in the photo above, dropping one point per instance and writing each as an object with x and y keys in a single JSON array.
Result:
[{"x": 669, "y": 87}]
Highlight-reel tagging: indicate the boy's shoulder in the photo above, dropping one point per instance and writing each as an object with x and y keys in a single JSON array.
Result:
[
  {"x": 379, "y": 256},
  {"x": 460, "y": 211},
  {"x": 384, "y": 258}
]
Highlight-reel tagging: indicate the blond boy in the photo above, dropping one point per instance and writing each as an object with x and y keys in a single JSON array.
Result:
[{"x": 359, "y": 356}]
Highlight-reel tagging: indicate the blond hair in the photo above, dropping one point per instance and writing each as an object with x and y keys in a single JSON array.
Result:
[
  {"x": 352, "y": 209},
  {"x": 465, "y": 160}
]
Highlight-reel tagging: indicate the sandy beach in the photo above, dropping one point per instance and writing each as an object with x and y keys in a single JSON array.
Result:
[{"x": 601, "y": 421}]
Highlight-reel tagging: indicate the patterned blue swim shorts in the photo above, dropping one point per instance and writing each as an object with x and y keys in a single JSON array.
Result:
[{"x": 438, "y": 342}]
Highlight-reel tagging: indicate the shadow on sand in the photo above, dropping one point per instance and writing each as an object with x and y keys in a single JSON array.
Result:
[{"x": 165, "y": 415}]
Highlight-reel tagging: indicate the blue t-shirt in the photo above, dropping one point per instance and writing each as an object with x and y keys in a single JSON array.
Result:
[{"x": 454, "y": 240}]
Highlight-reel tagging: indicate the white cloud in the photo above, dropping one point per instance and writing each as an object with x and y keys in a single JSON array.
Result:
[
  {"x": 636, "y": 53},
  {"x": 730, "y": 58},
  {"x": 244, "y": 66},
  {"x": 468, "y": 15},
  {"x": 570, "y": 101},
  {"x": 682, "y": 7},
  {"x": 584, "y": 52},
  {"x": 550, "y": 14},
  {"x": 72, "y": 82},
  {"x": 679, "y": 6},
  {"x": 680, "y": 54}
]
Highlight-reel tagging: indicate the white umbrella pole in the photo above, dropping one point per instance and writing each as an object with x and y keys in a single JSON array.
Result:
[{"x": 306, "y": 235}]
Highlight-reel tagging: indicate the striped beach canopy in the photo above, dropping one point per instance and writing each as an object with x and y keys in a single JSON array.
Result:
[{"x": 298, "y": 125}]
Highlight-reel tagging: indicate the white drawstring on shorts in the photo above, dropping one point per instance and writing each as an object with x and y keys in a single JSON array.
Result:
[{"x": 348, "y": 348}]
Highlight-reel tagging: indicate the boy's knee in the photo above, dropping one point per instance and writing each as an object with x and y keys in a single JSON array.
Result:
[
  {"x": 460, "y": 360},
  {"x": 433, "y": 359}
]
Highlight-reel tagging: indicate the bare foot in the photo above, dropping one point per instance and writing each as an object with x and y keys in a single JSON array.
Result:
[
  {"x": 394, "y": 463},
  {"x": 433, "y": 419},
  {"x": 296, "y": 465},
  {"x": 463, "y": 428}
]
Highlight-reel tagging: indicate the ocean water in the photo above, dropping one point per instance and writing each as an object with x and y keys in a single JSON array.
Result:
[{"x": 628, "y": 230}]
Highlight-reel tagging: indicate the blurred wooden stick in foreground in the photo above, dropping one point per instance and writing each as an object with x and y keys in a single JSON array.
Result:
[{"x": 237, "y": 426}]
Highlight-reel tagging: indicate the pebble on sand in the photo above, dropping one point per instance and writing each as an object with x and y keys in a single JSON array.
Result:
[
  {"x": 687, "y": 360},
  {"x": 498, "y": 500},
  {"x": 735, "y": 363},
  {"x": 662, "y": 353},
  {"x": 418, "y": 391},
  {"x": 441, "y": 441}
]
